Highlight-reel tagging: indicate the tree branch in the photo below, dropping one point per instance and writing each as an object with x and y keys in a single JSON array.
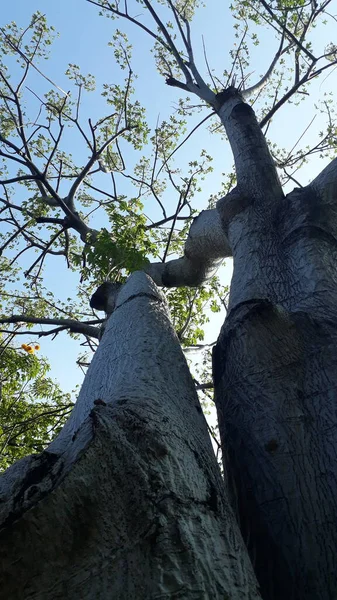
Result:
[
  {"x": 170, "y": 43},
  {"x": 71, "y": 324},
  {"x": 205, "y": 386},
  {"x": 28, "y": 61},
  {"x": 205, "y": 248},
  {"x": 287, "y": 32},
  {"x": 260, "y": 84}
]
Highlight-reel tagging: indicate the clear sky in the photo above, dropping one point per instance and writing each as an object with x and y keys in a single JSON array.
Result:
[{"x": 83, "y": 41}]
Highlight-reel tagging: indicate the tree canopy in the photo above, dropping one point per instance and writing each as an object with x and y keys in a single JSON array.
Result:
[{"x": 103, "y": 195}]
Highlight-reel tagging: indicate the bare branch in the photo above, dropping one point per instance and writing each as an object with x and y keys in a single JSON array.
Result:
[
  {"x": 287, "y": 32},
  {"x": 170, "y": 44},
  {"x": 71, "y": 324},
  {"x": 185, "y": 140},
  {"x": 91, "y": 162},
  {"x": 308, "y": 76},
  {"x": 132, "y": 20},
  {"x": 28, "y": 61},
  {"x": 167, "y": 220},
  {"x": 205, "y": 386},
  {"x": 260, "y": 84}
]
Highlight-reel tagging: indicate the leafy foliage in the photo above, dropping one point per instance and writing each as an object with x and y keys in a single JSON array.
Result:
[
  {"x": 33, "y": 409},
  {"x": 101, "y": 195}
]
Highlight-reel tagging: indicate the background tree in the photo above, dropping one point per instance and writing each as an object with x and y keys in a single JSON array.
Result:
[
  {"x": 48, "y": 202},
  {"x": 33, "y": 408},
  {"x": 282, "y": 283}
]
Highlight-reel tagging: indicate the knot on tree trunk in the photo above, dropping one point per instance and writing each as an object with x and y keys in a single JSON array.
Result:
[{"x": 105, "y": 296}]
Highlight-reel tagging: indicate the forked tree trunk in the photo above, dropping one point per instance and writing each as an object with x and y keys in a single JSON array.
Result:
[
  {"x": 275, "y": 370},
  {"x": 128, "y": 502}
]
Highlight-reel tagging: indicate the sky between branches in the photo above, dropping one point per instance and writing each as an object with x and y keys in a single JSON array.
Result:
[{"x": 83, "y": 41}]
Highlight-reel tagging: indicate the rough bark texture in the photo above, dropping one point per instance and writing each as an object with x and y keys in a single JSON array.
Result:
[
  {"x": 128, "y": 502},
  {"x": 275, "y": 370}
]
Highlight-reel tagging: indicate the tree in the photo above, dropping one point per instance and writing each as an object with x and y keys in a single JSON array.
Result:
[
  {"x": 173, "y": 531},
  {"x": 33, "y": 409}
]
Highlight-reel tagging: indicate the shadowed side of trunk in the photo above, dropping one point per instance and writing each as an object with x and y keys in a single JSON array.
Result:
[{"x": 275, "y": 371}]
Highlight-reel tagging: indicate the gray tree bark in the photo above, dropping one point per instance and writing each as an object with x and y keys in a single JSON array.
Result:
[
  {"x": 275, "y": 367},
  {"x": 128, "y": 502}
]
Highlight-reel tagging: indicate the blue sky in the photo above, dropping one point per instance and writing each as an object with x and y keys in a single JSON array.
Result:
[{"x": 83, "y": 40}]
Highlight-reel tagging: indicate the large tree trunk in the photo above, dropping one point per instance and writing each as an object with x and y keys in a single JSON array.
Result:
[
  {"x": 128, "y": 502},
  {"x": 275, "y": 370}
]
